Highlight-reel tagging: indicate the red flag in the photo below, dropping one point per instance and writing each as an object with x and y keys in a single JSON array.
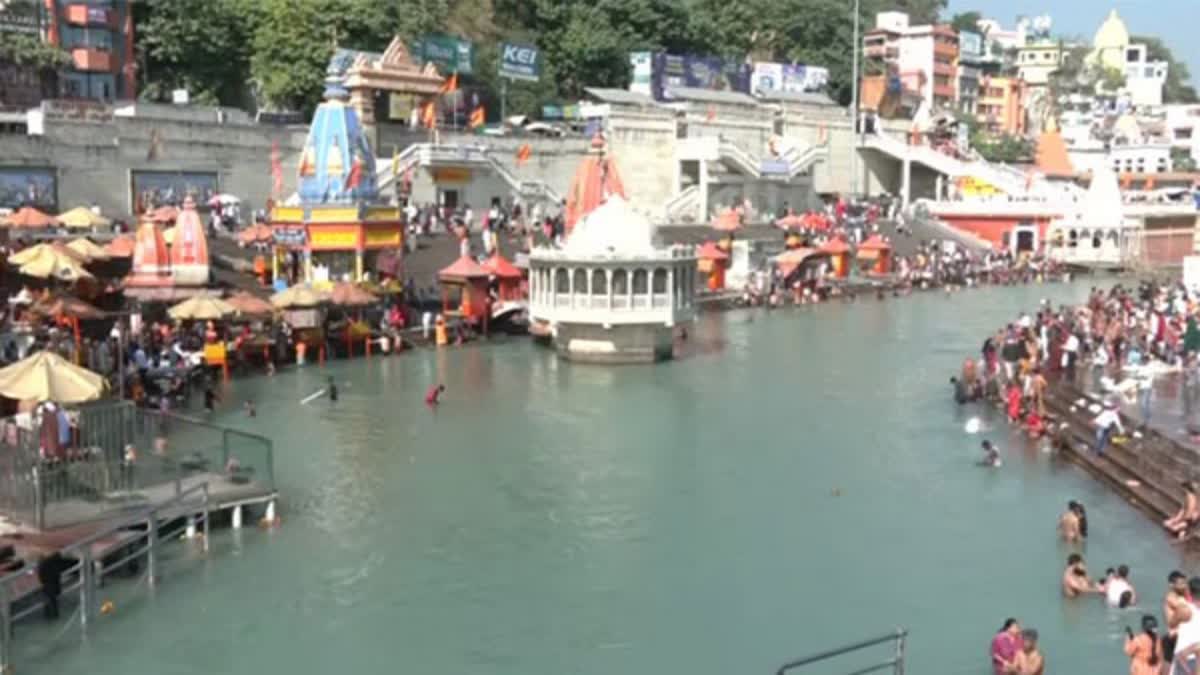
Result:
[
  {"x": 478, "y": 117},
  {"x": 355, "y": 176},
  {"x": 523, "y": 154},
  {"x": 276, "y": 170},
  {"x": 451, "y": 84}
]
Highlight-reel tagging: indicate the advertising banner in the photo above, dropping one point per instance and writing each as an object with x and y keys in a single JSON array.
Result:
[
  {"x": 28, "y": 186},
  {"x": 769, "y": 77},
  {"x": 520, "y": 62},
  {"x": 449, "y": 54},
  {"x": 699, "y": 72},
  {"x": 642, "y": 65},
  {"x": 161, "y": 188}
]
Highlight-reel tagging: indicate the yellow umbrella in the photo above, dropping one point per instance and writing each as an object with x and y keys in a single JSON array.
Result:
[
  {"x": 28, "y": 254},
  {"x": 46, "y": 376},
  {"x": 88, "y": 249},
  {"x": 298, "y": 296},
  {"x": 55, "y": 263},
  {"x": 81, "y": 217},
  {"x": 201, "y": 307}
]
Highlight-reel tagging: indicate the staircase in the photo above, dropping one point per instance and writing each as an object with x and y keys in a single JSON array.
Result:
[
  {"x": 734, "y": 156},
  {"x": 684, "y": 207},
  {"x": 429, "y": 154},
  {"x": 894, "y": 641},
  {"x": 1009, "y": 180}
]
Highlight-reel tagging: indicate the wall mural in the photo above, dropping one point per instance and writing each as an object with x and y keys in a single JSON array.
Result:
[
  {"x": 29, "y": 186},
  {"x": 152, "y": 189}
]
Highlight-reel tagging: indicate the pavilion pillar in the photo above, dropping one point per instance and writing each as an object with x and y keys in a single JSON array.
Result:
[
  {"x": 362, "y": 99},
  {"x": 629, "y": 288},
  {"x": 571, "y": 287},
  {"x": 674, "y": 297},
  {"x": 608, "y": 285},
  {"x": 358, "y": 265}
]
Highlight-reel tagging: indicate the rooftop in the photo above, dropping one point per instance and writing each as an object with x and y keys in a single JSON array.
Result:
[
  {"x": 808, "y": 97},
  {"x": 711, "y": 96},
  {"x": 619, "y": 96}
]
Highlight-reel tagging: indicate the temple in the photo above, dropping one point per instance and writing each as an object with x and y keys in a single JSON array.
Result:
[
  {"x": 339, "y": 225},
  {"x": 165, "y": 271}
]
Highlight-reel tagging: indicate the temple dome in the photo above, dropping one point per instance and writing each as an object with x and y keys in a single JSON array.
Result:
[
  {"x": 189, "y": 250},
  {"x": 1103, "y": 207},
  {"x": 613, "y": 228},
  {"x": 337, "y": 165},
  {"x": 1112, "y": 33}
]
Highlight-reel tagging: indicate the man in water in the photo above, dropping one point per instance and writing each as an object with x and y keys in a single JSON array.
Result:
[
  {"x": 1187, "y": 643},
  {"x": 1175, "y": 611},
  {"x": 1005, "y": 647},
  {"x": 991, "y": 456},
  {"x": 1068, "y": 524},
  {"x": 331, "y": 389},
  {"x": 1118, "y": 592},
  {"x": 1075, "y": 581},
  {"x": 434, "y": 396},
  {"x": 1029, "y": 660}
]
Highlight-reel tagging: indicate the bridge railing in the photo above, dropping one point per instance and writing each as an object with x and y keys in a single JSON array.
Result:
[{"x": 895, "y": 663}]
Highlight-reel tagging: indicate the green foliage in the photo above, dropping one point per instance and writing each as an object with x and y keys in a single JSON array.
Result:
[
  {"x": 30, "y": 51},
  {"x": 206, "y": 53},
  {"x": 1002, "y": 147},
  {"x": 966, "y": 21},
  {"x": 1176, "y": 89},
  {"x": 1181, "y": 160}
]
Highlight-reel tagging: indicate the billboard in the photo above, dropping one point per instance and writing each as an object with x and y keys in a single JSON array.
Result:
[
  {"x": 151, "y": 189},
  {"x": 448, "y": 53},
  {"x": 643, "y": 72},
  {"x": 28, "y": 186},
  {"x": 795, "y": 78},
  {"x": 700, "y": 72},
  {"x": 520, "y": 62}
]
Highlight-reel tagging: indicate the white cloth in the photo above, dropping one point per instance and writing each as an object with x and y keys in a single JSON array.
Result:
[
  {"x": 1107, "y": 419},
  {"x": 1115, "y": 589},
  {"x": 1189, "y": 631}
]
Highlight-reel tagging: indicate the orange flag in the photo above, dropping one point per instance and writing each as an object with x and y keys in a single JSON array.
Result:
[
  {"x": 429, "y": 115},
  {"x": 478, "y": 117},
  {"x": 451, "y": 84},
  {"x": 523, "y": 154}
]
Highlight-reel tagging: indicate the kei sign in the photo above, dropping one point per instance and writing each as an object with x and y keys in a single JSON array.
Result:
[{"x": 520, "y": 62}]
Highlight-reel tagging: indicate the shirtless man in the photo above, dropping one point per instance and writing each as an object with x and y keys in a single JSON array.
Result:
[
  {"x": 1068, "y": 525},
  {"x": 1029, "y": 660},
  {"x": 1188, "y": 637},
  {"x": 1183, "y": 521},
  {"x": 1175, "y": 610},
  {"x": 1075, "y": 581}
]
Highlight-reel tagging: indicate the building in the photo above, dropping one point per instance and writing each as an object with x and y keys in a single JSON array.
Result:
[
  {"x": 1036, "y": 62},
  {"x": 1112, "y": 49},
  {"x": 98, "y": 34},
  {"x": 1182, "y": 128},
  {"x": 1004, "y": 38},
  {"x": 971, "y": 61},
  {"x": 1001, "y": 107},
  {"x": 924, "y": 59}
]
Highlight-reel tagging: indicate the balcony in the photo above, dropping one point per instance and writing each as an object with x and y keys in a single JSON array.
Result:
[
  {"x": 85, "y": 15},
  {"x": 945, "y": 49},
  {"x": 92, "y": 60}
]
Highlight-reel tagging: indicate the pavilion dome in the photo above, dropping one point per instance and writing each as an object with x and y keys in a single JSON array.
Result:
[
  {"x": 337, "y": 165},
  {"x": 613, "y": 227},
  {"x": 1103, "y": 207}
]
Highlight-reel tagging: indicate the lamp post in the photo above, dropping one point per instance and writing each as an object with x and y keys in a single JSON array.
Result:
[{"x": 854, "y": 105}]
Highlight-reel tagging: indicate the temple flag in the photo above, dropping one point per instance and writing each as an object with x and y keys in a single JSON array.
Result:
[
  {"x": 523, "y": 154},
  {"x": 478, "y": 117}
]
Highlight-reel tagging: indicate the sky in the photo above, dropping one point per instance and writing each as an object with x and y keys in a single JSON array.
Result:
[{"x": 1174, "y": 21}]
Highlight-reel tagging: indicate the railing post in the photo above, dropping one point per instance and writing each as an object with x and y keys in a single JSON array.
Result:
[
  {"x": 224, "y": 449},
  {"x": 87, "y": 586},
  {"x": 6, "y": 664},
  {"x": 152, "y": 550},
  {"x": 900, "y": 637},
  {"x": 206, "y": 518},
  {"x": 39, "y": 497}
]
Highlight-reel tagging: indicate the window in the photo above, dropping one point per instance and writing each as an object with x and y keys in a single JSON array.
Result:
[
  {"x": 562, "y": 283},
  {"x": 599, "y": 282},
  {"x": 620, "y": 283},
  {"x": 1149, "y": 72},
  {"x": 660, "y": 280},
  {"x": 73, "y": 38},
  {"x": 640, "y": 282},
  {"x": 1133, "y": 55},
  {"x": 1183, "y": 134},
  {"x": 581, "y": 279}
]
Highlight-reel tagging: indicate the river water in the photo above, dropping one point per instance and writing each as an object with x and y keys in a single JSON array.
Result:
[{"x": 801, "y": 479}]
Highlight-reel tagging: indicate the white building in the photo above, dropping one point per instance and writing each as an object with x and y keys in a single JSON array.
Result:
[
  {"x": 1035, "y": 62},
  {"x": 1112, "y": 49},
  {"x": 924, "y": 57},
  {"x": 1182, "y": 127},
  {"x": 613, "y": 293}
]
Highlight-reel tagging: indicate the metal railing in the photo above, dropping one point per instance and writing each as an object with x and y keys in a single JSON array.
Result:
[
  {"x": 895, "y": 663},
  {"x": 20, "y": 592},
  {"x": 94, "y": 477},
  {"x": 741, "y": 158}
]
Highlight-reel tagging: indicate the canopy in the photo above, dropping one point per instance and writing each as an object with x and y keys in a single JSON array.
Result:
[
  {"x": 81, "y": 218},
  {"x": 835, "y": 247},
  {"x": 121, "y": 247},
  {"x": 164, "y": 214},
  {"x": 789, "y": 221},
  {"x": 345, "y": 293},
  {"x": 27, "y": 216},
  {"x": 298, "y": 296},
  {"x": 201, "y": 307},
  {"x": 36, "y": 251},
  {"x": 88, "y": 249},
  {"x": 255, "y": 233},
  {"x": 46, "y": 376},
  {"x": 52, "y": 262},
  {"x": 501, "y": 268},
  {"x": 246, "y": 304},
  {"x": 727, "y": 220},
  {"x": 463, "y": 268},
  {"x": 710, "y": 251},
  {"x": 788, "y": 261},
  {"x": 68, "y": 306},
  {"x": 875, "y": 243}
]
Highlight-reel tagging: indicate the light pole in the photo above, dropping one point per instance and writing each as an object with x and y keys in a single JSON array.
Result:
[{"x": 854, "y": 106}]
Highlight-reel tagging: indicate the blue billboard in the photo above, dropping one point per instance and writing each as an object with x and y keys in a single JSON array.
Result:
[{"x": 699, "y": 72}]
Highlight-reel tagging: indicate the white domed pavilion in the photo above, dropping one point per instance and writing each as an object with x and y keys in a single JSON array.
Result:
[{"x": 613, "y": 293}]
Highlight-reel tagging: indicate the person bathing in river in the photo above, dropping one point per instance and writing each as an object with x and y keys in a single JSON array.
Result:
[
  {"x": 1118, "y": 591},
  {"x": 1068, "y": 525},
  {"x": 991, "y": 456},
  {"x": 1175, "y": 611},
  {"x": 434, "y": 395},
  {"x": 1075, "y": 580},
  {"x": 1185, "y": 519},
  {"x": 1012, "y": 398},
  {"x": 1028, "y": 661}
]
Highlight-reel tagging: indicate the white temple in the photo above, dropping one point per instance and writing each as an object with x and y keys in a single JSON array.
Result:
[
  {"x": 1098, "y": 233},
  {"x": 613, "y": 293}
]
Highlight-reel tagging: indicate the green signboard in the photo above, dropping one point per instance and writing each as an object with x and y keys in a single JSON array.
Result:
[{"x": 449, "y": 54}]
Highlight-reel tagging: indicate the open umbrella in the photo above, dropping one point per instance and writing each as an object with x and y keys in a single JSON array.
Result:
[
  {"x": 298, "y": 296},
  {"x": 89, "y": 249},
  {"x": 46, "y": 376},
  {"x": 59, "y": 306},
  {"x": 258, "y": 232},
  {"x": 201, "y": 307},
  {"x": 49, "y": 261},
  {"x": 347, "y": 294},
  {"x": 246, "y": 304},
  {"x": 121, "y": 247},
  {"x": 81, "y": 217},
  {"x": 27, "y": 216}
]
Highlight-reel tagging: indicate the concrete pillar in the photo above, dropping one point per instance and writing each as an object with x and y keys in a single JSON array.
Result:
[
  {"x": 571, "y": 287},
  {"x": 905, "y": 182},
  {"x": 671, "y": 294},
  {"x": 939, "y": 187},
  {"x": 608, "y": 275},
  {"x": 237, "y": 517},
  {"x": 358, "y": 265},
  {"x": 703, "y": 192},
  {"x": 629, "y": 288},
  {"x": 363, "y": 101},
  {"x": 191, "y": 528}
]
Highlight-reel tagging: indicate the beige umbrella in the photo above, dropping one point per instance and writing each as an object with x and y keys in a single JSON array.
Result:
[
  {"x": 201, "y": 307},
  {"x": 55, "y": 262},
  {"x": 249, "y": 305},
  {"x": 346, "y": 293},
  {"x": 298, "y": 296},
  {"x": 29, "y": 254},
  {"x": 81, "y": 217},
  {"x": 46, "y": 376},
  {"x": 88, "y": 249}
]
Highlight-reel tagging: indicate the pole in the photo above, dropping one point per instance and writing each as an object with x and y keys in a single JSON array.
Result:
[
  {"x": 503, "y": 100},
  {"x": 854, "y": 105}
]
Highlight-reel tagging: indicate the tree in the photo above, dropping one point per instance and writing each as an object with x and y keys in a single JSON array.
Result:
[
  {"x": 966, "y": 21},
  {"x": 1176, "y": 89},
  {"x": 206, "y": 53},
  {"x": 1181, "y": 160},
  {"x": 29, "y": 51}
]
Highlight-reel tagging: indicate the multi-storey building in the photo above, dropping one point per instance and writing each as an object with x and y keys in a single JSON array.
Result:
[
  {"x": 923, "y": 58},
  {"x": 1001, "y": 107}
]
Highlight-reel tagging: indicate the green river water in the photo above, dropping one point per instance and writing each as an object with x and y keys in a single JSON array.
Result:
[{"x": 801, "y": 479}]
